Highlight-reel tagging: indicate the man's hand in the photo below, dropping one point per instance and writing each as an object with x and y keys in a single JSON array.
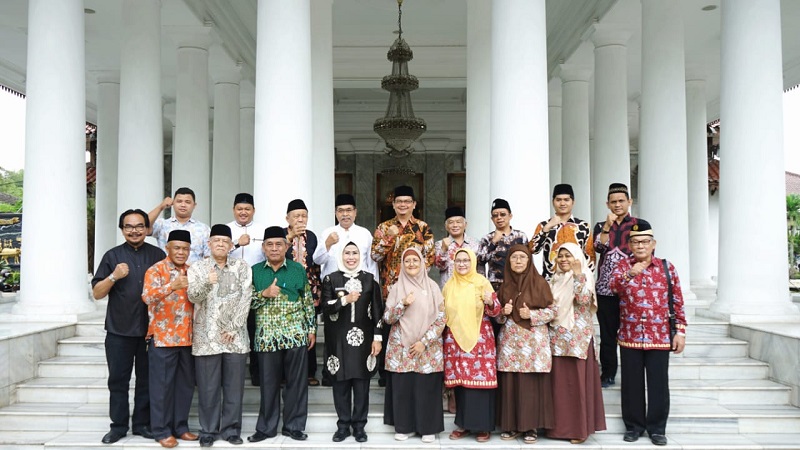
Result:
[
  {"x": 120, "y": 271},
  {"x": 416, "y": 349},
  {"x": 332, "y": 239},
  {"x": 272, "y": 291},
  {"x": 525, "y": 312},
  {"x": 508, "y": 308},
  {"x": 393, "y": 230},
  {"x": 227, "y": 337},
  {"x": 497, "y": 236},
  {"x": 610, "y": 220},
  {"x": 376, "y": 348},
  {"x": 639, "y": 267},
  {"x": 212, "y": 277},
  {"x": 409, "y": 299},
  {"x": 180, "y": 282},
  {"x": 244, "y": 240},
  {"x": 166, "y": 203},
  {"x": 679, "y": 343},
  {"x": 445, "y": 244},
  {"x": 552, "y": 223},
  {"x": 312, "y": 339}
]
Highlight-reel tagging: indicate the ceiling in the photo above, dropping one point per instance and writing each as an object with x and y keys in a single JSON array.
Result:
[{"x": 436, "y": 30}]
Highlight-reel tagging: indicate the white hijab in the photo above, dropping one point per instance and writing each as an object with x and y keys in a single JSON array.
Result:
[{"x": 562, "y": 285}]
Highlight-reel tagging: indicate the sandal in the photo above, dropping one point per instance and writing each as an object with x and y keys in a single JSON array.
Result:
[
  {"x": 313, "y": 381},
  {"x": 458, "y": 434},
  {"x": 483, "y": 436},
  {"x": 509, "y": 435},
  {"x": 530, "y": 437}
]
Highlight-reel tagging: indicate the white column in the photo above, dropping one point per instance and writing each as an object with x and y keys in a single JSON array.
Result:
[
  {"x": 519, "y": 109},
  {"x": 662, "y": 140},
  {"x": 479, "y": 107},
  {"x": 140, "y": 124},
  {"x": 191, "y": 154},
  {"x": 105, "y": 207},
  {"x": 324, "y": 160},
  {"x": 225, "y": 168},
  {"x": 283, "y": 107},
  {"x": 753, "y": 283},
  {"x": 554, "y": 129},
  {"x": 54, "y": 259},
  {"x": 610, "y": 157},
  {"x": 697, "y": 156},
  {"x": 575, "y": 137},
  {"x": 247, "y": 124}
]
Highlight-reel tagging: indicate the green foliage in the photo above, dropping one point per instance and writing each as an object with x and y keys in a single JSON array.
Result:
[
  {"x": 11, "y": 184},
  {"x": 792, "y": 229}
]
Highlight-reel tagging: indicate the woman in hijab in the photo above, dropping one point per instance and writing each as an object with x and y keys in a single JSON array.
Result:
[
  {"x": 414, "y": 360},
  {"x": 577, "y": 398},
  {"x": 352, "y": 304},
  {"x": 523, "y": 353},
  {"x": 470, "y": 354}
]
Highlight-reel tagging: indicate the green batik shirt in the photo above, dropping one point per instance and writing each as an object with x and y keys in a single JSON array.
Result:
[{"x": 282, "y": 322}]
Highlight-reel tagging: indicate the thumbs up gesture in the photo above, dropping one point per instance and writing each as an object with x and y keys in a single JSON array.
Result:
[
  {"x": 524, "y": 312},
  {"x": 180, "y": 282},
  {"x": 507, "y": 308},
  {"x": 272, "y": 291}
]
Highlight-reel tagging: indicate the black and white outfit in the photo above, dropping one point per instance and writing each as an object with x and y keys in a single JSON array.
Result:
[{"x": 350, "y": 329}]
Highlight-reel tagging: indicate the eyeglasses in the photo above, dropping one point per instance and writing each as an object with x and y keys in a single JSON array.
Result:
[
  {"x": 518, "y": 258},
  {"x": 641, "y": 243},
  {"x": 129, "y": 228},
  {"x": 404, "y": 202},
  {"x": 345, "y": 210},
  {"x": 462, "y": 262}
]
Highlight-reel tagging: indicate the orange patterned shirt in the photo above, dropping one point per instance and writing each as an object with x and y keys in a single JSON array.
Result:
[{"x": 170, "y": 312}]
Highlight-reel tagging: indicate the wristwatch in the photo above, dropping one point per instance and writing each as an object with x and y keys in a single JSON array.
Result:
[{"x": 112, "y": 278}]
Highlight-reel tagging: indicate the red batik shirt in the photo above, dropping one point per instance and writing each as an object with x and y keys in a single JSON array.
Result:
[{"x": 170, "y": 312}]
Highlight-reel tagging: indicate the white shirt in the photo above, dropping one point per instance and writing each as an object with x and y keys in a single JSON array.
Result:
[
  {"x": 327, "y": 259},
  {"x": 252, "y": 252}
]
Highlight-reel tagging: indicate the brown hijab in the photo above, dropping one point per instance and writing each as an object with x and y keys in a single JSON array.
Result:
[{"x": 526, "y": 288}]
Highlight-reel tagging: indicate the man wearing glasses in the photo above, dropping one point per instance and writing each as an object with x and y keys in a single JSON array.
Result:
[
  {"x": 455, "y": 223},
  {"x": 346, "y": 230},
  {"x": 120, "y": 276}
]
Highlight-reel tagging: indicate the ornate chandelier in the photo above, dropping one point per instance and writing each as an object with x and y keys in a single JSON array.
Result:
[{"x": 399, "y": 128}]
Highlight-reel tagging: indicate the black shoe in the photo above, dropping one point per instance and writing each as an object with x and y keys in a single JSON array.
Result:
[
  {"x": 658, "y": 439},
  {"x": 259, "y": 436},
  {"x": 360, "y": 435},
  {"x": 235, "y": 440},
  {"x": 206, "y": 441},
  {"x": 632, "y": 436},
  {"x": 326, "y": 382},
  {"x": 113, "y": 436},
  {"x": 143, "y": 432},
  {"x": 295, "y": 434},
  {"x": 341, "y": 434},
  {"x": 606, "y": 382},
  {"x": 382, "y": 382}
]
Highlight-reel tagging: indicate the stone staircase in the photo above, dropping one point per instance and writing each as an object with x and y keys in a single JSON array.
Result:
[{"x": 721, "y": 399}]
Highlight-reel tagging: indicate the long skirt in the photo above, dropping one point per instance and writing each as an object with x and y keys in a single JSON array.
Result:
[
  {"x": 577, "y": 397},
  {"x": 526, "y": 401},
  {"x": 413, "y": 402},
  {"x": 475, "y": 409}
]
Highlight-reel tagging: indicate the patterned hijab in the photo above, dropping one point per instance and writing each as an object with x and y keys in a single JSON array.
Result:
[
  {"x": 527, "y": 288},
  {"x": 418, "y": 316},
  {"x": 463, "y": 302},
  {"x": 563, "y": 288}
]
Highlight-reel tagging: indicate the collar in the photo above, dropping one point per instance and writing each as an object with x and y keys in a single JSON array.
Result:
[
  {"x": 412, "y": 220},
  {"x": 175, "y": 219},
  {"x": 132, "y": 248},
  {"x": 249, "y": 224},
  {"x": 268, "y": 266}
]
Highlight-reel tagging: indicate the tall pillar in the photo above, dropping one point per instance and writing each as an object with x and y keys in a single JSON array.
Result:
[
  {"x": 575, "y": 137},
  {"x": 225, "y": 168},
  {"x": 247, "y": 124},
  {"x": 105, "y": 206},
  {"x": 663, "y": 191},
  {"x": 753, "y": 285},
  {"x": 140, "y": 124},
  {"x": 610, "y": 157},
  {"x": 283, "y": 106},
  {"x": 519, "y": 109},
  {"x": 324, "y": 161},
  {"x": 479, "y": 106},
  {"x": 54, "y": 261},
  {"x": 191, "y": 157},
  {"x": 554, "y": 113},
  {"x": 697, "y": 156}
]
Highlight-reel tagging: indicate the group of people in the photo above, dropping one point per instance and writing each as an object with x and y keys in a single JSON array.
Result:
[{"x": 511, "y": 345}]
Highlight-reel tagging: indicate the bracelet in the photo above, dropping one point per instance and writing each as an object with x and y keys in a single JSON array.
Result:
[{"x": 604, "y": 231}]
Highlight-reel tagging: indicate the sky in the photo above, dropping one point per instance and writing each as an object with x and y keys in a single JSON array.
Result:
[{"x": 12, "y": 131}]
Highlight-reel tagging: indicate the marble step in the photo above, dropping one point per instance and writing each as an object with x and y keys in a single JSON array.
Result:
[
  {"x": 23, "y": 440},
  {"x": 700, "y": 419}
]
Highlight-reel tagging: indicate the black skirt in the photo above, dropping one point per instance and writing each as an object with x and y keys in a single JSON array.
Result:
[
  {"x": 475, "y": 409},
  {"x": 413, "y": 402}
]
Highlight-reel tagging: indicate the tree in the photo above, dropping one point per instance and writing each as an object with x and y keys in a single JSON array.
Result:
[
  {"x": 10, "y": 190},
  {"x": 792, "y": 224}
]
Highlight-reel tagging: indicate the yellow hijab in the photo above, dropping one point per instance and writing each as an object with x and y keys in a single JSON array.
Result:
[{"x": 463, "y": 303}]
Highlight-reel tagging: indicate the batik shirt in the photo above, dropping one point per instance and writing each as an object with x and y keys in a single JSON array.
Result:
[
  {"x": 444, "y": 261},
  {"x": 198, "y": 230},
  {"x": 573, "y": 230},
  {"x": 220, "y": 307},
  {"x": 388, "y": 250},
  {"x": 575, "y": 342},
  {"x": 283, "y": 322},
  {"x": 493, "y": 255},
  {"x": 398, "y": 359},
  {"x": 301, "y": 250},
  {"x": 612, "y": 252},
  {"x": 170, "y": 312}
]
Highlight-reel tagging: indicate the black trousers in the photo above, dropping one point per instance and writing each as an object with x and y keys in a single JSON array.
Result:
[
  {"x": 351, "y": 400},
  {"x": 122, "y": 353},
  {"x": 220, "y": 388},
  {"x": 608, "y": 319},
  {"x": 171, "y": 389},
  {"x": 251, "y": 332},
  {"x": 275, "y": 366},
  {"x": 638, "y": 415}
]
